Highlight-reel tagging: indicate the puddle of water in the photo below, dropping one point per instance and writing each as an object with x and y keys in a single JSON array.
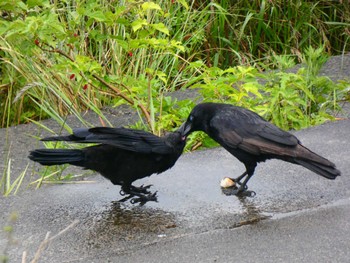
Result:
[
  {"x": 125, "y": 226},
  {"x": 128, "y": 226},
  {"x": 142, "y": 218}
]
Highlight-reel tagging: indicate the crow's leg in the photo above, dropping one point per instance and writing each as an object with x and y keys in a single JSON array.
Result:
[
  {"x": 250, "y": 168},
  {"x": 242, "y": 190},
  {"x": 239, "y": 178},
  {"x": 137, "y": 194}
]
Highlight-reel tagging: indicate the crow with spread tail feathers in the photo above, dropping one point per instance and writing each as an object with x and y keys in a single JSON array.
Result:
[
  {"x": 121, "y": 155},
  {"x": 251, "y": 139}
]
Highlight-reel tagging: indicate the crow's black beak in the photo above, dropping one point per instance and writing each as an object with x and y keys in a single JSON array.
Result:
[{"x": 185, "y": 129}]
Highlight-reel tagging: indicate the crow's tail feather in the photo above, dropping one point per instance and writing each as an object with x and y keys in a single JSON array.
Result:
[
  {"x": 328, "y": 171},
  {"x": 315, "y": 162},
  {"x": 57, "y": 156}
]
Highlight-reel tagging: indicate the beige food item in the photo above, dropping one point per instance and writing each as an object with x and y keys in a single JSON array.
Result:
[{"x": 227, "y": 182}]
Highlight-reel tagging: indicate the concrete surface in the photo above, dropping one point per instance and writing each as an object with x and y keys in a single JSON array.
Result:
[{"x": 296, "y": 215}]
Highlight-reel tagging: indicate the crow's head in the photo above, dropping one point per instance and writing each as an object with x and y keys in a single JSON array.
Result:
[
  {"x": 176, "y": 140},
  {"x": 199, "y": 118}
]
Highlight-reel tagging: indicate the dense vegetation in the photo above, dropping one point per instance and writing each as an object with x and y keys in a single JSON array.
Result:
[{"x": 63, "y": 57}]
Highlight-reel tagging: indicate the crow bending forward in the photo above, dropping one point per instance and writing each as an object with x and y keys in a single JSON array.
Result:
[
  {"x": 251, "y": 139},
  {"x": 122, "y": 156}
]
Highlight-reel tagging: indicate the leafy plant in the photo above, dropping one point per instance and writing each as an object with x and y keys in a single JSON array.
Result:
[
  {"x": 70, "y": 66},
  {"x": 88, "y": 50}
]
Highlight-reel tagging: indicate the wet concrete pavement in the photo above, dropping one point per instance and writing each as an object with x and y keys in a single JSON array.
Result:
[{"x": 296, "y": 215}]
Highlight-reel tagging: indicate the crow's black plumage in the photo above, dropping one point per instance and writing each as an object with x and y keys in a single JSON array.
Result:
[
  {"x": 251, "y": 139},
  {"x": 122, "y": 155}
]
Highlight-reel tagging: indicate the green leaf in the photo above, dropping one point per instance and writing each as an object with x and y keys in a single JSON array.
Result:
[
  {"x": 161, "y": 27},
  {"x": 138, "y": 24},
  {"x": 86, "y": 64},
  {"x": 97, "y": 15},
  {"x": 123, "y": 43},
  {"x": 95, "y": 34},
  {"x": 10, "y": 5},
  {"x": 150, "y": 5},
  {"x": 162, "y": 76},
  {"x": 252, "y": 88},
  {"x": 34, "y": 3}
]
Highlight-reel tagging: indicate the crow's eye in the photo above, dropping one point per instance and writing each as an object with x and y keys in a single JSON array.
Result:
[{"x": 191, "y": 118}]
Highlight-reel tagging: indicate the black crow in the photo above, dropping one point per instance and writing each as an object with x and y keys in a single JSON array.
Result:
[
  {"x": 251, "y": 139},
  {"x": 122, "y": 155}
]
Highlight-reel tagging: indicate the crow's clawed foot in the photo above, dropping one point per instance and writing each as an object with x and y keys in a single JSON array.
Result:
[
  {"x": 141, "y": 189},
  {"x": 144, "y": 199},
  {"x": 136, "y": 195},
  {"x": 134, "y": 190}
]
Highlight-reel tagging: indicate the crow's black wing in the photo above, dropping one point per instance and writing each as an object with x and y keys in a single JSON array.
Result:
[
  {"x": 123, "y": 138},
  {"x": 78, "y": 135},
  {"x": 246, "y": 130}
]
